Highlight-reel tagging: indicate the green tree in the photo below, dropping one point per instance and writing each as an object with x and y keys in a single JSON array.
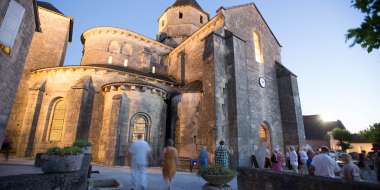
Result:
[
  {"x": 368, "y": 34},
  {"x": 372, "y": 133},
  {"x": 343, "y": 137}
]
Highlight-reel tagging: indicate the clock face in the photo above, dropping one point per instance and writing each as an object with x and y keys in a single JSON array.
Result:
[{"x": 262, "y": 82}]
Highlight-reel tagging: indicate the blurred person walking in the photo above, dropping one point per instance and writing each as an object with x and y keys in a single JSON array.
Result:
[
  {"x": 6, "y": 147},
  {"x": 350, "y": 171},
  {"x": 277, "y": 160},
  {"x": 293, "y": 157},
  {"x": 287, "y": 162},
  {"x": 170, "y": 161},
  {"x": 365, "y": 171},
  {"x": 310, "y": 155},
  {"x": 261, "y": 154},
  {"x": 303, "y": 161},
  {"x": 203, "y": 157},
  {"x": 324, "y": 165},
  {"x": 139, "y": 150},
  {"x": 222, "y": 155}
]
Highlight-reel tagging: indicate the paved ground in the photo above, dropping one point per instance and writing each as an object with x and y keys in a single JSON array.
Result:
[
  {"x": 182, "y": 181},
  {"x": 18, "y": 167}
]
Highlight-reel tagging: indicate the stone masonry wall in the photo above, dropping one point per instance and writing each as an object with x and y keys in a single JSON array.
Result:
[
  {"x": 181, "y": 28},
  {"x": 107, "y": 45},
  {"x": 264, "y": 105},
  {"x": 186, "y": 131},
  {"x": 90, "y": 112},
  {"x": 120, "y": 109},
  {"x": 237, "y": 87},
  {"x": 198, "y": 66},
  {"x": 47, "y": 49},
  {"x": 195, "y": 55},
  {"x": 11, "y": 66},
  {"x": 292, "y": 121}
]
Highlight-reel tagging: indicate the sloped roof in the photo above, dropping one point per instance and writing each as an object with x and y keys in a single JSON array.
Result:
[
  {"x": 54, "y": 9},
  {"x": 134, "y": 71},
  {"x": 282, "y": 70},
  {"x": 317, "y": 129},
  {"x": 356, "y": 138},
  {"x": 36, "y": 16},
  {"x": 48, "y": 6},
  {"x": 192, "y": 3},
  {"x": 258, "y": 10}
]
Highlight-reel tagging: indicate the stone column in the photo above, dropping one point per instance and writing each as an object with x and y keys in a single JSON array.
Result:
[
  {"x": 232, "y": 121},
  {"x": 96, "y": 123},
  {"x": 78, "y": 113},
  {"x": 220, "y": 77},
  {"x": 108, "y": 135},
  {"x": 290, "y": 104},
  {"x": 208, "y": 129},
  {"x": 28, "y": 129},
  {"x": 239, "y": 107}
]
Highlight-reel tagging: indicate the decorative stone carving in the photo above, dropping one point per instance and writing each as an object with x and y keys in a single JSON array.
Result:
[{"x": 139, "y": 87}]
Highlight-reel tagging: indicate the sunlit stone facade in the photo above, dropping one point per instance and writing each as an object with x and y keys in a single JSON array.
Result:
[
  {"x": 198, "y": 83},
  {"x": 18, "y": 24}
]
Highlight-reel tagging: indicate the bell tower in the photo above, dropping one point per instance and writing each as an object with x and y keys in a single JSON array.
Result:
[{"x": 179, "y": 21}]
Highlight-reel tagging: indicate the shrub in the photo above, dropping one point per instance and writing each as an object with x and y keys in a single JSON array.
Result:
[
  {"x": 81, "y": 143},
  {"x": 372, "y": 133},
  {"x": 344, "y": 138},
  {"x": 72, "y": 150},
  {"x": 54, "y": 151},
  {"x": 217, "y": 170}
]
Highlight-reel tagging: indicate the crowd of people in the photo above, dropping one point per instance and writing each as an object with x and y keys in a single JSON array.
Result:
[{"x": 306, "y": 161}]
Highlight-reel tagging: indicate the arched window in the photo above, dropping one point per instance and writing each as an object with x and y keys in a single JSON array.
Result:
[
  {"x": 265, "y": 134},
  {"x": 127, "y": 49},
  {"x": 57, "y": 121},
  {"x": 140, "y": 126},
  {"x": 114, "y": 47},
  {"x": 258, "y": 47}
]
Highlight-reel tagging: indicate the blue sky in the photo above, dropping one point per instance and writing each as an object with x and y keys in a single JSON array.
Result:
[{"x": 335, "y": 80}]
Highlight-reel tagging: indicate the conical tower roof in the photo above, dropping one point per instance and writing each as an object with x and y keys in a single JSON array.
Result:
[{"x": 192, "y": 3}]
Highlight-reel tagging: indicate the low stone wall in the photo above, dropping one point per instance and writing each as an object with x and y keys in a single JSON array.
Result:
[
  {"x": 62, "y": 181},
  {"x": 254, "y": 179}
]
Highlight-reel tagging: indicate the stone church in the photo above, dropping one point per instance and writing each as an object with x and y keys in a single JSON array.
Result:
[{"x": 201, "y": 81}]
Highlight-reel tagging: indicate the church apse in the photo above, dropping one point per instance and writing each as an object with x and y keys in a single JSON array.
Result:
[{"x": 131, "y": 109}]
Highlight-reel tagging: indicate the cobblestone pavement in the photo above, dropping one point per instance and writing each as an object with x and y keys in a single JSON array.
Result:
[{"x": 182, "y": 181}]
